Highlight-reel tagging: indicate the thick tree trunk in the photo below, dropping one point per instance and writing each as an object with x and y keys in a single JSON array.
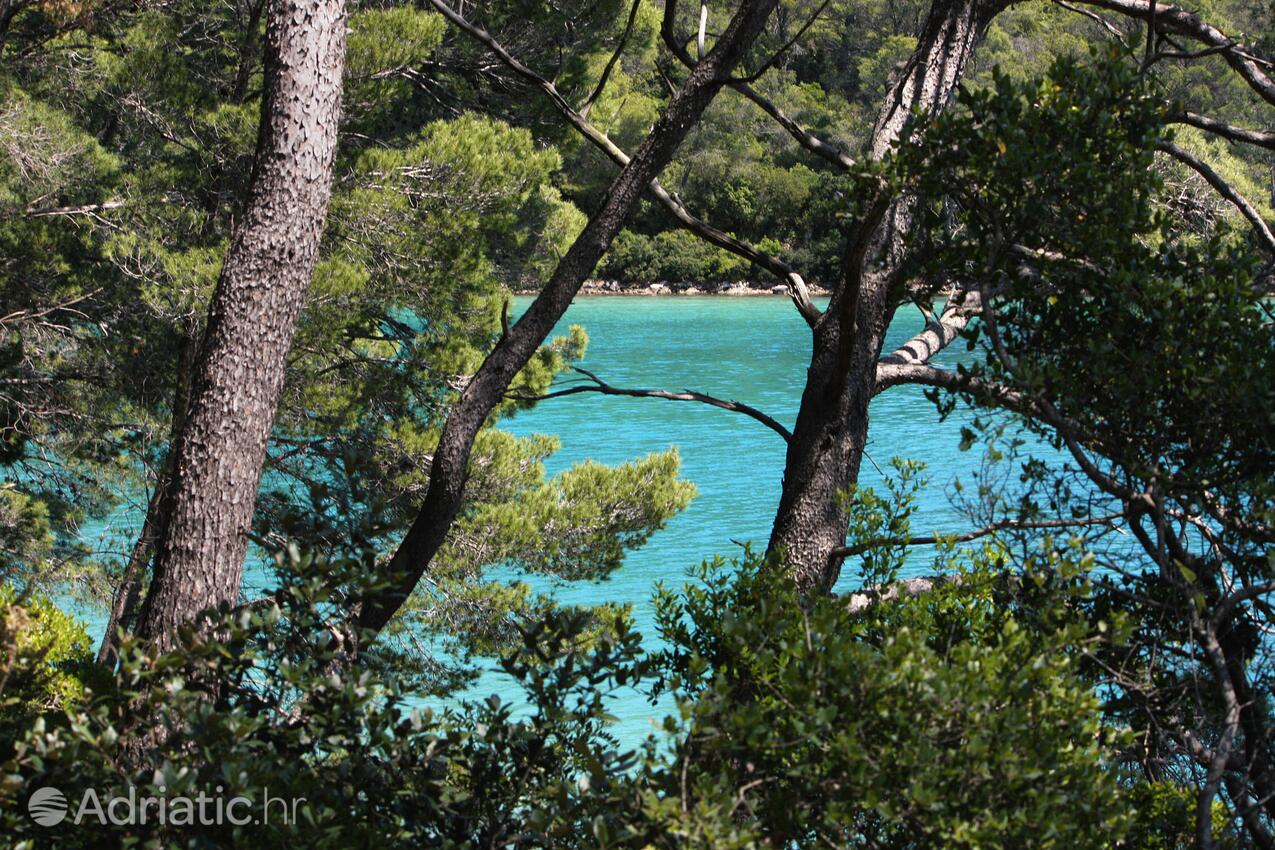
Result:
[
  {"x": 830, "y": 435},
  {"x": 451, "y": 459},
  {"x": 219, "y": 455},
  {"x": 832, "y": 425}
]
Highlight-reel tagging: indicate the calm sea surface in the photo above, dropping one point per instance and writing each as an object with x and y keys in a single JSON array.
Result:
[{"x": 750, "y": 349}]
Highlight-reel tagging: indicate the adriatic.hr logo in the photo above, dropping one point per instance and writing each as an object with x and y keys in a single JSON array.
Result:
[{"x": 49, "y": 807}]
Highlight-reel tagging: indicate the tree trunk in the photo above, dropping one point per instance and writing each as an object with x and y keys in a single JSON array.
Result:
[
  {"x": 830, "y": 435},
  {"x": 828, "y": 440},
  {"x": 128, "y": 594},
  {"x": 488, "y": 385},
  {"x": 219, "y": 455}
]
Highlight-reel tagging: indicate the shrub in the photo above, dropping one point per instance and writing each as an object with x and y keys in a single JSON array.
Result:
[{"x": 45, "y": 660}]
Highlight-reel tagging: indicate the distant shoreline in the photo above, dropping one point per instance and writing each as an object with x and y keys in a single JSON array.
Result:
[{"x": 664, "y": 288}]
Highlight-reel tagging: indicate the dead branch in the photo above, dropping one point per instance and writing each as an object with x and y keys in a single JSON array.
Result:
[
  {"x": 1260, "y": 228},
  {"x": 597, "y": 385}
]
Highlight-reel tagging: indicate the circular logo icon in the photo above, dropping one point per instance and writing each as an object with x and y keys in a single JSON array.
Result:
[{"x": 47, "y": 806}]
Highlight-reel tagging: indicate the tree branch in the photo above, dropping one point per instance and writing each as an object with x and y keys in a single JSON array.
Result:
[
  {"x": 890, "y": 374},
  {"x": 1260, "y": 138},
  {"x": 600, "y": 386},
  {"x": 1098, "y": 19},
  {"x": 843, "y": 552},
  {"x": 86, "y": 209},
  {"x": 803, "y": 137},
  {"x": 938, "y": 334},
  {"x": 788, "y": 45},
  {"x": 449, "y": 469},
  {"x": 1247, "y": 62},
  {"x": 611, "y": 63},
  {"x": 797, "y": 289},
  {"x": 1224, "y": 608},
  {"x": 817, "y": 146},
  {"x": 1213, "y": 776},
  {"x": 1246, "y": 208},
  {"x": 893, "y": 374}
]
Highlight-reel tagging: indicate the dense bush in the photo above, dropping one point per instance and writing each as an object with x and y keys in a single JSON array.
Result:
[
  {"x": 937, "y": 721},
  {"x": 45, "y": 661},
  {"x": 673, "y": 255}
]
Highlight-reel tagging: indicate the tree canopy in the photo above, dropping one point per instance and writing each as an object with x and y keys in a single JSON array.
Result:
[{"x": 257, "y": 263}]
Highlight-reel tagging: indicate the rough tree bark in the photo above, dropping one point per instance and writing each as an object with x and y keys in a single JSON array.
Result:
[
  {"x": 828, "y": 440},
  {"x": 449, "y": 470},
  {"x": 219, "y": 454}
]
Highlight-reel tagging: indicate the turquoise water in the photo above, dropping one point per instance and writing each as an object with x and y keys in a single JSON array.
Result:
[{"x": 754, "y": 350}]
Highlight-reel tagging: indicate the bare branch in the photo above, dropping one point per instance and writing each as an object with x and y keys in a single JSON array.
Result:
[
  {"x": 1222, "y": 751},
  {"x": 39, "y": 313},
  {"x": 893, "y": 374},
  {"x": 788, "y": 45},
  {"x": 1260, "y": 138},
  {"x": 611, "y": 63},
  {"x": 86, "y": 209},
  {"x": 803, "y": 137},
  {"x": 938, "y": 334},
  {"x": 1247, "y": 62},
  {"x": 1228, "y": 604},
  {"x": 598, "y": 385},
  {"x": 1098, "y": 19},
  {"x": 988, "y": 392},
  {"x": 1246, "y": 208},
  {"x": 444, "y": 497},
  {"x": 844, "y": 552},
  {"x": 809, "y": 141},
  {"x": 700, "y": 38}
]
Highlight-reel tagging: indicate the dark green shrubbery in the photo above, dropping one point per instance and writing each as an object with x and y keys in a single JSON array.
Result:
[
  {"x": 266, "y": 710},
  {"x": 673, "y": 255},
  {"x": 945, "y": 720}
]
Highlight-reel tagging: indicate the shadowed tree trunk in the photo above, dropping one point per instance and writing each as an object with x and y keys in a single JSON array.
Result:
[
  {"x": 489, "y": 384},
  {"x": 828, "y": 440},
  {"x": 218, "y": 457},
  {"x": 128, "y": 593}
]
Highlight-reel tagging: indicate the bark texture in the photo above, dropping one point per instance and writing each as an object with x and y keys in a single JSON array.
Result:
[
  {"x": 449, "y": 470},
  {"x": 828, "y": 440},
  {"x": 239, "y": 375}
]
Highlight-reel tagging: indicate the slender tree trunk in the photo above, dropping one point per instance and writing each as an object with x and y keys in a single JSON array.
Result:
[
  {"x": 489, "y": 384},
  {"x": 219, "y": 455},
  {"x": 128, "y": 594},
  {"x": 831, "y": 432}
]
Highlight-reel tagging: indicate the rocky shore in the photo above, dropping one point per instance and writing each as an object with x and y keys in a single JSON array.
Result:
[{"x": 736, "y": 288}]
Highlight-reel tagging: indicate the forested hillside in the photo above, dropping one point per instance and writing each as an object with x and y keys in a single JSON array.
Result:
[{"x": 259, "y": 353}]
